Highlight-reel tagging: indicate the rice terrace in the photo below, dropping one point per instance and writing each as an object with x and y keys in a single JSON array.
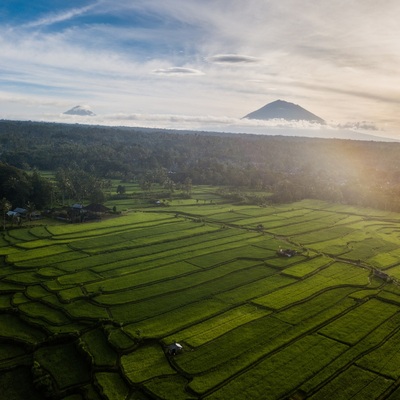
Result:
[
  {"x": 199, "y": 300},
  {"x": 199, "y": 200}
]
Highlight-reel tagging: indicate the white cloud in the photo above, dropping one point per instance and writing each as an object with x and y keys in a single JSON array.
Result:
[
  {"x": 232, "y": 59},
  {"x": 174, "y": 121},
  {"x": 177, "y": 71},
  {"x": 359, "y": 125},
  {"x": 218, "y": 124}
]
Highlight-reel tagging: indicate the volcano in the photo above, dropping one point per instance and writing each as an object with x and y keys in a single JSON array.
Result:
[
  {"x": 280, "y": 109},
  {"x": 80, "y": 110}
]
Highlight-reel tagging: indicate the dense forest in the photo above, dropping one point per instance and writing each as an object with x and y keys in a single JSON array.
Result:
[{"x": 86, "y": 157}]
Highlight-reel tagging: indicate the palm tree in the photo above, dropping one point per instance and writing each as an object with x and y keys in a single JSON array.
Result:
[{"x": 5, "y": 207}]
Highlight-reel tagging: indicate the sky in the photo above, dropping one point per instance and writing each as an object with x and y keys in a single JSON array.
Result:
[{"x": 202, "y": 64}]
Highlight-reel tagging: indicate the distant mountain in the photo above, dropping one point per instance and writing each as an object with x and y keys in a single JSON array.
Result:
[
  {"x": 80, "y": 110},
  {"x": 284, "y": 110}
]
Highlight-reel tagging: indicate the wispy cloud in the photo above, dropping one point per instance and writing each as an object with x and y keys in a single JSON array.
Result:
[{"x": 54, "y": 18}]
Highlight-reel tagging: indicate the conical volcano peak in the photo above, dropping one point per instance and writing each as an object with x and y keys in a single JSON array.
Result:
[
  {"x": 280, "y": 109},
  {"x": 80, "y": 110}
]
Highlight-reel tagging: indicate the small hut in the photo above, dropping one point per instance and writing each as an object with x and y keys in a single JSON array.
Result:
[
  {"x": 286, "y": 252},
  {"x": 174, "y": 349}
]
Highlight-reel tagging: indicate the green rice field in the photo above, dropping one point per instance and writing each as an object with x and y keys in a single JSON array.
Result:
[{"x": 95, "y": 311}]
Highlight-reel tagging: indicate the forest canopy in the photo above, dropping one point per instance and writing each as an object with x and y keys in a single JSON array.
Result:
[{"x": 292, "y": 168}]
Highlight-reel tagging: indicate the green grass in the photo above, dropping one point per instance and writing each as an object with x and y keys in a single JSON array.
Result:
[
  {"x": 356, "y": 324},
  {"x": 282, "y": 372},
  {"x": 64, "y": 231},
  {"x": 217, "y": 376},
  {"x": 22, "y": 278},
  {"x": 325, "y": 301},
  {"x": 36, "y": 292},
  {"x": 335, "y": 275},
  {"x": 374, "y": 339},
  {"x": 40, "y": 232},
  {"x": 145, "y": 363},
  {"x": 385, "y": 360},
  {"x": 369, "y": 248},
  {"x": 158, "y": 281},
  {"x": 51, "y": 260},
  {"x": 9, "y": 351},
  {"x": 17, "y": 384},
  {"x": 44, "y": 312},
  {"x": 82, "y": 309},
  {"x": 394, "y": 271},
  {"x": 131, "y": 312},
  {"x": 255, "y": 289},
  {"x": 111, "y": 295},
  {"x": 36, "y": 253},
  {"x": 111, "y": 385},
  {"x": 13, "y": 327},
  {"x": 5, "y": 302},
  {"x": 142, "y": 237},
  {"x": 95, "y": 343},
  {"x": 322, "y": 235},
  {"x": 169, "y": 388},
  {"x": 299, "y": 270},
  {"x": 354, "y": 383},
  {"x": 384, "y": 260},
  {"x": 22, "y": 235},
  {"x": 176, "y": 319},
  {"x": 80, "y": 277},
  {"x": 120, "y": 340},
  {"x": 140, "y": 273},
  {"x": 204, "y": 332},
  {"x": 64, "y": 363},
  {"x": 231, "y": 345}
]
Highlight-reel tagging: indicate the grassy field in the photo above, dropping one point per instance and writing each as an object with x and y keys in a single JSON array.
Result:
[{"x": 89, "y": 311}]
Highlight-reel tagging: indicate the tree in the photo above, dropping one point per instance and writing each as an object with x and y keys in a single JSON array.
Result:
[
  {"x": 63, "y": 183},
  {"x": 30, "y": 208},
  {"x": 187, "y": 186},
  {"x": 17, "y": 187},
  {"x": 42, "y": 190},
  {"x": 169, "y": 185},
  {"x": 5, "y": 207},
  {"x": 121, "y": 189},
  {"x": 146, "y": 185},
  {"x": 76, "y": 184},
  {"x": 97, "y": 196}
]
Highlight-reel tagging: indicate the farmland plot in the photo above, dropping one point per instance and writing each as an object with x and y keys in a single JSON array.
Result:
[
  {"x": 335, "y": 275},
  {"x": 89, "y": 311},
  {"x": 280, "y": 373},
  {"x": 359, "y": 322},
  {"x": 355, "y": 383}
]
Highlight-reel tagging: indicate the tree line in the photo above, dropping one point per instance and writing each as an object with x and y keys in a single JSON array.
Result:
[{"x": 292, "y": 168}]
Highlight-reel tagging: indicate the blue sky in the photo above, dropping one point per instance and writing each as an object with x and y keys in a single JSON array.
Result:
[{"x": 201, "y": 64}]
